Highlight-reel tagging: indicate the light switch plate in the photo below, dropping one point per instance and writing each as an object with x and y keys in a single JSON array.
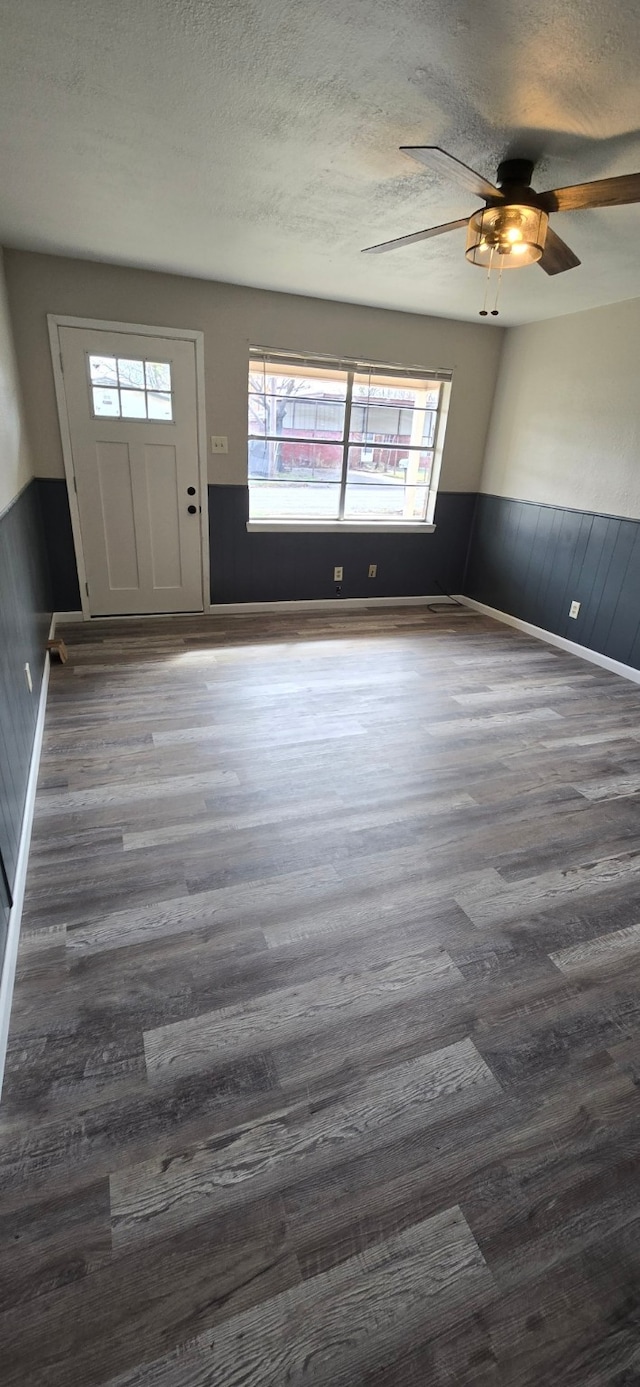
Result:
[{"x": 219, "y": 443}]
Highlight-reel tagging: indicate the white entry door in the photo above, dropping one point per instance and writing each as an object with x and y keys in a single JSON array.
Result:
[{"x": 132, "y": 415}]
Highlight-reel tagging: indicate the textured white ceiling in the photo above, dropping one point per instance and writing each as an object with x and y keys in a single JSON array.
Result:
[{"x": 257, "y": 140}]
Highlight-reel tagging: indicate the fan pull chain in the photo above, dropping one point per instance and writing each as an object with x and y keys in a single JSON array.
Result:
[
  {"x": 494, "y": 310},
  {"x": 483, "y": 311}
]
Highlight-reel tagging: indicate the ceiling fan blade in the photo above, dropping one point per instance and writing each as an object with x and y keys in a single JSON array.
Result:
[
  {"x": 437, "y": 159},
  {"x": 415, "y": 236},
  {"x": 604, "y": 192},
  {"x": 556, "y": 256}
]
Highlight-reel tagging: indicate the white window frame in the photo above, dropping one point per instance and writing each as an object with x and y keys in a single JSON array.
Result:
[{"x": 350, "y": 368}]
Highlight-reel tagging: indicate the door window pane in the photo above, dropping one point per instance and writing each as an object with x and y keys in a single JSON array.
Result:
[
  {"x": 158, "y": 375},
  {"x": 159, "y": 406},
  {"x": 133, "y": 404},
  {"x": 133, "y": 388},
  {"x": 103, "y": 370},
  {"x": 106, "y": 403},
  {"x": 131, "y": 373}
]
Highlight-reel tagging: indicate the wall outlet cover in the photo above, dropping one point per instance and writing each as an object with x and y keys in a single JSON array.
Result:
[
  {"x": 337, "y": 574},
  {"x": 574, "y": 609}
]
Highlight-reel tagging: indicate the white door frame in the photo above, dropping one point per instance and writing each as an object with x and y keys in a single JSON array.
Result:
[{"x": 56, "y": 321}]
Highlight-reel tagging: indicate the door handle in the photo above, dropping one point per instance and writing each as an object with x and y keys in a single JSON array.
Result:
[{"x": 191, "y": 510}]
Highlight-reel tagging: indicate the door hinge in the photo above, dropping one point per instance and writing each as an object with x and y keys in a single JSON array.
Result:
[
  {"x": 75, "y": 484},
  {"x": 87, "y": 589},
  {"x": 61, "y": 363}
]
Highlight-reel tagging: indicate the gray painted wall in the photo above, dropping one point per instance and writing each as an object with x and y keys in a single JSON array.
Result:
[
  {"x": 269, "y": 566},
  {"x": 559, "y": 517},
  {"x": 565, "y": 426},
  {"x": 15, "y": 458},
  {"x": 232, "y": 318},
  {"x": 532, "y": 560}
]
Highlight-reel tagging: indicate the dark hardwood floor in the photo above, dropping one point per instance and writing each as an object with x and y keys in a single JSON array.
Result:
[{"x": 324, "y": 1063}]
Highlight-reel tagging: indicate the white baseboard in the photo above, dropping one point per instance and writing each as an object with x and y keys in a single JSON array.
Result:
[
  {"x": 64, "y": 619},
  {"x": 11, "y": 949},
  {"x": 572, "y": 647},
  {"x": 321, "y": 604},
  {"x": 246, "y": 608}
]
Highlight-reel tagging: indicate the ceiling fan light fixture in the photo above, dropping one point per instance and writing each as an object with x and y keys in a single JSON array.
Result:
[{"x": 508, "y": 237}]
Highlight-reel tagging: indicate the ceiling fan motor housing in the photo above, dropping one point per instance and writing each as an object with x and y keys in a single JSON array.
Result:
[
  {"x": 514, "y": 185},
  {"x": 515, "y": 172}
]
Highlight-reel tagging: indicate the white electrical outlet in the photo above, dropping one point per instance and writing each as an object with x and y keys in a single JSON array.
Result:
[
  {"x": 27, "y": 675},
  {"x": 373, "y": 570},
  {"x": 219, "y": 443},
  {"x": 337, "y": 574},
  {"x": 574, "y": 609}
]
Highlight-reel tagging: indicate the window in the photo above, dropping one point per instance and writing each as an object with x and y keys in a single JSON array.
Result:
[
  {"x": 343, "y": 441},
  {"x": 126, "y": 389}
]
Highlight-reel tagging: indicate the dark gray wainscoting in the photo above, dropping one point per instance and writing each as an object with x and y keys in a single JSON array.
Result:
[
  {"x": 56, "y": 518},
  {"x": 532, "y": 560},
  {"x": 25, "y": 614},
  {"x": 284, "y": 567},
  {"x": 5, "y": 905}
]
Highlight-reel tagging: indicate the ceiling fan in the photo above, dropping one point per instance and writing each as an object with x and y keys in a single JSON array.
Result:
[{"x": 512, "y": 229}]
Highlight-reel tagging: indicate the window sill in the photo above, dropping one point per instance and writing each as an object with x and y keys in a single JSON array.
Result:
[{"x": 387, "y": 527}]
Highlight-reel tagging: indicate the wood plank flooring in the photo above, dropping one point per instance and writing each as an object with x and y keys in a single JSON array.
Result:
[{"x": 324, "y": 1062}]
